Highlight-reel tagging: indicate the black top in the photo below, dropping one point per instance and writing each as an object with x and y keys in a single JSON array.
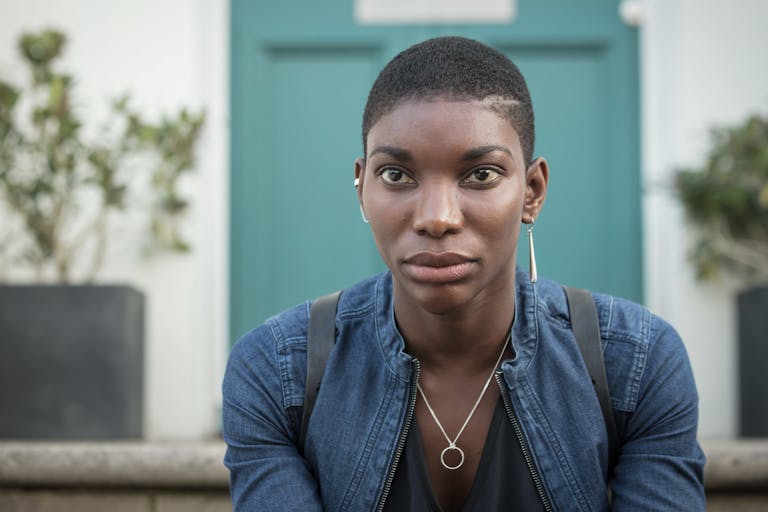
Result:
[{"x": 502, "y": 482}]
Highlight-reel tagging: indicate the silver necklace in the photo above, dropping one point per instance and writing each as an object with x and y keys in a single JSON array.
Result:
[{"x": 452, "y": 444}]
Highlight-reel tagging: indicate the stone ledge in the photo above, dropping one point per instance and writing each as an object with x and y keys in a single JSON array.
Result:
[
  {"x": 113, "y": 500},
  {"x": 113, "y": 464},
  {"x": 733, "y": 466},
  {"x": 740, "y": 465}
]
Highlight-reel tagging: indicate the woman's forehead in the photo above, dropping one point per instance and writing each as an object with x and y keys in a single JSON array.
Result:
[{"x": 441, "y": 119}]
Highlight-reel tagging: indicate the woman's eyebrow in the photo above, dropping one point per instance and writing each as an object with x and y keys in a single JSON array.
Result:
[
  {"x": 405, "y": 156},
  {"x": 479, "y": 151},
  {"x": 395, "y": 152}
]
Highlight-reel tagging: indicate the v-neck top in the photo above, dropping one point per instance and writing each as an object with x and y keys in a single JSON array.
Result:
[{"x": 503, "y": 480}]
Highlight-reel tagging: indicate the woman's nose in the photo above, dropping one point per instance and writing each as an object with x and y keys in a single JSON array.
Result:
[{"x": 438, "y": 211}]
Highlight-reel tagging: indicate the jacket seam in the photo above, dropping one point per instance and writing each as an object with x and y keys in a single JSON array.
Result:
[
  {"x": 610, "y": 314},
  {"x": 639, "y": 362},
  {"x": 290, "y": 397}
]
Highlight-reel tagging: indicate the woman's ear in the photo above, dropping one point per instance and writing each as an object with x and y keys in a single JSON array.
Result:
[
  {"x": 536, "y": 179},
  {"x": 359, "y": 177}
]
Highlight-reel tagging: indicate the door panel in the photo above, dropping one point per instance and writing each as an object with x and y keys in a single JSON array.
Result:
[{"x": 312, "y": 165}]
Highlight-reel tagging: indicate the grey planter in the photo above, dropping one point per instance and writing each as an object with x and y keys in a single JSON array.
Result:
[
  {"x": 753, "y": 359},
  {"x": 71, "y": 362}
]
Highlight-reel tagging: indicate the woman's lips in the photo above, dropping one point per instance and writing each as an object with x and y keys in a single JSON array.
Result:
[{"x": 438, "y": 268}]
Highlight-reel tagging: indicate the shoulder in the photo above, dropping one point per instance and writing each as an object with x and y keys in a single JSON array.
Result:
[
  {"x": 261, "y": 360},
  {"x": 275, "y": 351},
  {"x": 640, "y": 348},
  {"x": 620, "y": 319},
  {"x": 636, "y": 342}
]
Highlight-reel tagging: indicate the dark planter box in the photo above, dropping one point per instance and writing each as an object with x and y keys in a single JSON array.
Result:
[
  {"x": 753, "y": 359},
  {"x": 71, "y": 362}
]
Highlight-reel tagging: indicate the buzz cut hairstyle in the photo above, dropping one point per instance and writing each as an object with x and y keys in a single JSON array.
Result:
[{"x": 455, "y": 68}]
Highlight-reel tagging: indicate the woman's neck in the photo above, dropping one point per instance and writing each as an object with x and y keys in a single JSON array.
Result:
[{"x": 463, "y": 339}]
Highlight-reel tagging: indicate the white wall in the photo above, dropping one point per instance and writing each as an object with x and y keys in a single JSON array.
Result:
[
  {"x": 702, "y": 65},
  {"x": 166, "y": 54}
]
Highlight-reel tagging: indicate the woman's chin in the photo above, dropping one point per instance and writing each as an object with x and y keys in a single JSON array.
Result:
[{"x": 436, "y": 299}]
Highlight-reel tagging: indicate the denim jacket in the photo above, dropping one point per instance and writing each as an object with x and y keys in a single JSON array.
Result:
[{"x": 365, "y": 408}]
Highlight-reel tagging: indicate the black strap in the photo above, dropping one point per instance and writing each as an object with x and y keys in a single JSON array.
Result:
[
  {"x": 320, "y": 340},
  {"x": 586, "y": 328}
]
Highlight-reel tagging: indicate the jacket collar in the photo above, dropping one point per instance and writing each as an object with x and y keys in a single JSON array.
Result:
[{"x": 524, "y": 328}]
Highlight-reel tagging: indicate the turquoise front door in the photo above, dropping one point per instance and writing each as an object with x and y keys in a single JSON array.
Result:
[{"x": 301, "y": 71}]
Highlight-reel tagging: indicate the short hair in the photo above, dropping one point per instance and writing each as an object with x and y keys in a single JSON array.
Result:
[{"x": 458, "y": 68}]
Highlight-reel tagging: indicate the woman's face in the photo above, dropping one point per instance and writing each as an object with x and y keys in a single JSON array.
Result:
[{"x": 445, "y": 188}]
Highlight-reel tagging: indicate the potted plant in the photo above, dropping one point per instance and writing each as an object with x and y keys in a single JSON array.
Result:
[
  {"x": 727, "y": 200},
  {"x": 71, "y": 351}
]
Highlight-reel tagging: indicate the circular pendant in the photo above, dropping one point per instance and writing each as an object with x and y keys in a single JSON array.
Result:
[{"x": 452, "y": 447}]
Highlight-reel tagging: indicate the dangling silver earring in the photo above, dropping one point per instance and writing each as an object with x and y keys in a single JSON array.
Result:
[{"x": 531, "y": 254}]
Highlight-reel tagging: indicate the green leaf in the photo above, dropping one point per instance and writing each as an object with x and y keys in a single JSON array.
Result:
[{"x": 42, "y": 47}]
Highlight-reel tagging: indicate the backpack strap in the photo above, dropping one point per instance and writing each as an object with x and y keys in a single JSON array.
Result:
[
  {"x": 586, "y": 328},
  {"x": 320, "y": 340}
]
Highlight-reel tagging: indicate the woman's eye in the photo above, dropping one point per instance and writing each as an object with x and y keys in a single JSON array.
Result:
[
  {"x": 394, "y": 176},
  {"x": 482, "y": 176}
]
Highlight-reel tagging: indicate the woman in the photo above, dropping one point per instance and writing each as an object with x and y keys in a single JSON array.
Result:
[{"x": 455, "y": 382}]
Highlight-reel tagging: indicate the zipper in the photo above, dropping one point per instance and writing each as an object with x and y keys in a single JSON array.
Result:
[
  {"x": 523, "y": 445},
  {"x": 403, "y": 435}
]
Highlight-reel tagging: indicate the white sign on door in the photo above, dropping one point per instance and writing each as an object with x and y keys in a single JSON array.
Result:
[{"x": 379, "y": 12}]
